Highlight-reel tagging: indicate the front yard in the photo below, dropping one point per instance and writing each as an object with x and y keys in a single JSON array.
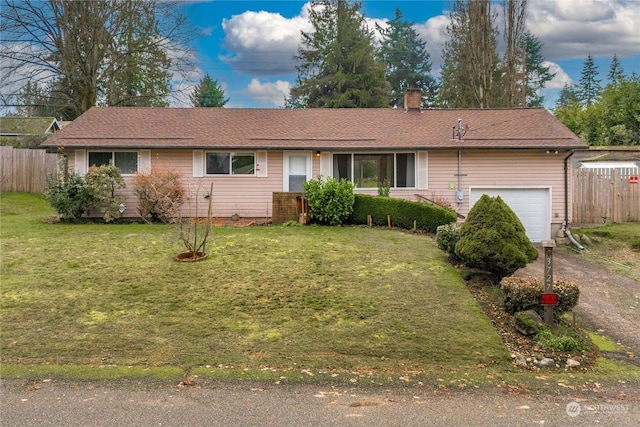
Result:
[{"x": 322, "y": 299}]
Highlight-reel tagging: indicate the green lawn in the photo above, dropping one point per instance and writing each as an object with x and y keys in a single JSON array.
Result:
[{"x": 350, "y": 298}]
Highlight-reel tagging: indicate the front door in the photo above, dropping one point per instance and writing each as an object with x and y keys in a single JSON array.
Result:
[{"x": 297, "y": 170}]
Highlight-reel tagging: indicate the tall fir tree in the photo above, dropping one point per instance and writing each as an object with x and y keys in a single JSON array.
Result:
[
  {"x": 471, "y": 75},
  {"x": 128, "y": 82},
  {"x": 407, "y": 61},
  {"x": 208, "y": 94},
  {"x": 536, "y": 73},
  {"x": 616, "y": 72},
  {"x": 589, "y": 85},
  {"x": 338, "y": 67}
]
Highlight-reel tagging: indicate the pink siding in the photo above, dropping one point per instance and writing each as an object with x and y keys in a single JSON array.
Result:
[
  {"x": 498, "y": 168},
  {"x": 247, "y": 196},
  {"x": 251, "y": 196}
]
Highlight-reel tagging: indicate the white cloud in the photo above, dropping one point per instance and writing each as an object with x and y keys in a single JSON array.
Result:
[
  {"x": 560, "y": 80},
  {"x": 571, "y": 29},
  {"x": 433, "y": 33},
  {"x": 207, "y": 31},
  {"x": 263, "y": 43},
  {"x": 269, "y": 92}
]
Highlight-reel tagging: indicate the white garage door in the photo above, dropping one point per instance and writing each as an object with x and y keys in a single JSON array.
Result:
[{"x": 532, "y": 205}]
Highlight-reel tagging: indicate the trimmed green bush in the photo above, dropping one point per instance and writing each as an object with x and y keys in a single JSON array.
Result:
[
  {"x": 72, "y": 196},
  {"x": 523, "y": 293},
  {"x": 330, "y": 201},
  {"x": 402, "y": 212},
  {"x": 494, "y": 240},
  {"x": 68, "y": 194},
  {"x": 447, "y": 237}
]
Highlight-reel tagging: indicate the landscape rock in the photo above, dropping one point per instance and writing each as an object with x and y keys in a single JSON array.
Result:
[
  {"x": 545, "y": 362},
  {"x": 586, "y": 240},
  {"x": 571, "y": 363},
  {"x": 519, "y": 360},
  {"x": 528, "y": 322}
]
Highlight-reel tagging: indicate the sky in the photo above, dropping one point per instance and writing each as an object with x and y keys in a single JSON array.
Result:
[{"x": 249, "y": 46}]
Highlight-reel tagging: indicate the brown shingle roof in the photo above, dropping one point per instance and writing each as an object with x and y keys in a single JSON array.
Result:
[{"x": 335, "y": 129}]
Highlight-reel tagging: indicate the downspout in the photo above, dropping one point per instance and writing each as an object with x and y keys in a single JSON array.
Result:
[
  {"x": 459, "y": 191},
  {"x": 565, "y": 224}
]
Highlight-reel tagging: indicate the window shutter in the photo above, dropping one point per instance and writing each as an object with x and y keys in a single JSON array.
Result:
[
  {"x": 198, "y": 163},
  {"x": 325, "y": 164},
  {"x": 423, "y": 170},
  {"x": 261, "y": 164},
  {"x": 144, "y": 161},
  {"x": 80, "y": 162}
]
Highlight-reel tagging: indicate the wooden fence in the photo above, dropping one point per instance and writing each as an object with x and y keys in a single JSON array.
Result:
[
  {"x": 605, "y": 195},
  {"x": 25, "y": 170}
]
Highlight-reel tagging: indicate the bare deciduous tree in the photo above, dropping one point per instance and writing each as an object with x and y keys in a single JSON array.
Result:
[
  {"x": 514, "y": 63},
  {"x": 89, "y": 52},
  {"x": 470, "y": 73}
]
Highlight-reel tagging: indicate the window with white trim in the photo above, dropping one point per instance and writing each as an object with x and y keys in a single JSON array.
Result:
[
  {"x": 126, "y": 161},
  {"x": 230, "y": 163},
  {"x": 371, "y": 170}
]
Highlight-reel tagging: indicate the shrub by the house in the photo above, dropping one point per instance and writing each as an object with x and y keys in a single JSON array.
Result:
[
  {"x": 67, "y": 194},
  {"x": 401, "y": 212},
  {"x": 523, "y": 293},
  {"x": 102, "y": 183},
  {"x": 72, "y": 196},
  {"x": 447, "y": 237},
  {"x": 494, "y": 240},
  {"x": 330, "y": 201},
  {"x": 160, "y": 195}
]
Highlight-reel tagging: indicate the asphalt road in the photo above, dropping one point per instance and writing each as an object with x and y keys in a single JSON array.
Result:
[{"x": 123, "y": 403}]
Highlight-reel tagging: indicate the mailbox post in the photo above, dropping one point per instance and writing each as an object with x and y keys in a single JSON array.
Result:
[{"x": 548, "y": 298}]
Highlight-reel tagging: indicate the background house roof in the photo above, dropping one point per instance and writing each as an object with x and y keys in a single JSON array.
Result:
[
  {"x": 609, "y": 153},
  {"x": 19, "y": 126},
  {"x": 334, "y": 129}
]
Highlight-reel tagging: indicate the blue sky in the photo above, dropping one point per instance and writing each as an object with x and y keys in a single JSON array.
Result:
[{"x": 248, "y": 46}]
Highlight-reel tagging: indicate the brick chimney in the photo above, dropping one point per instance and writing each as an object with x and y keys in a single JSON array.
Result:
[{"x": 413, "y": 99}]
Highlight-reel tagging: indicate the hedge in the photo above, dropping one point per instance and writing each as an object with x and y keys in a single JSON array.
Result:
[
  {"x": 523, "y": 293},
  {"x": 402, "y": 212}
]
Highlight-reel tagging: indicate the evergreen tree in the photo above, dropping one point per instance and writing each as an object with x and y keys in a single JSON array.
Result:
[
  {"x": 471, "y": 72},
  {"x": 493, "y": 239},
  {"x": 208, "y": 94},
  {"x": 589, "y": 86},
  {"x": 616, "y": 72},
  {"x": 291, "y": 102},
  {"x": 567, "y": 96},
  {"x": 138, "y": 68},
  {"x": 338, "y": 68},
  {"x": 612, "y": 119},
  {"x": 407, "y": 61},
  {"x": 537, "y": 74}
]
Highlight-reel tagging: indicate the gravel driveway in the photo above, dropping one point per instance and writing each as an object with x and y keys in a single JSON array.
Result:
[{"x": 609, "y": 300}]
